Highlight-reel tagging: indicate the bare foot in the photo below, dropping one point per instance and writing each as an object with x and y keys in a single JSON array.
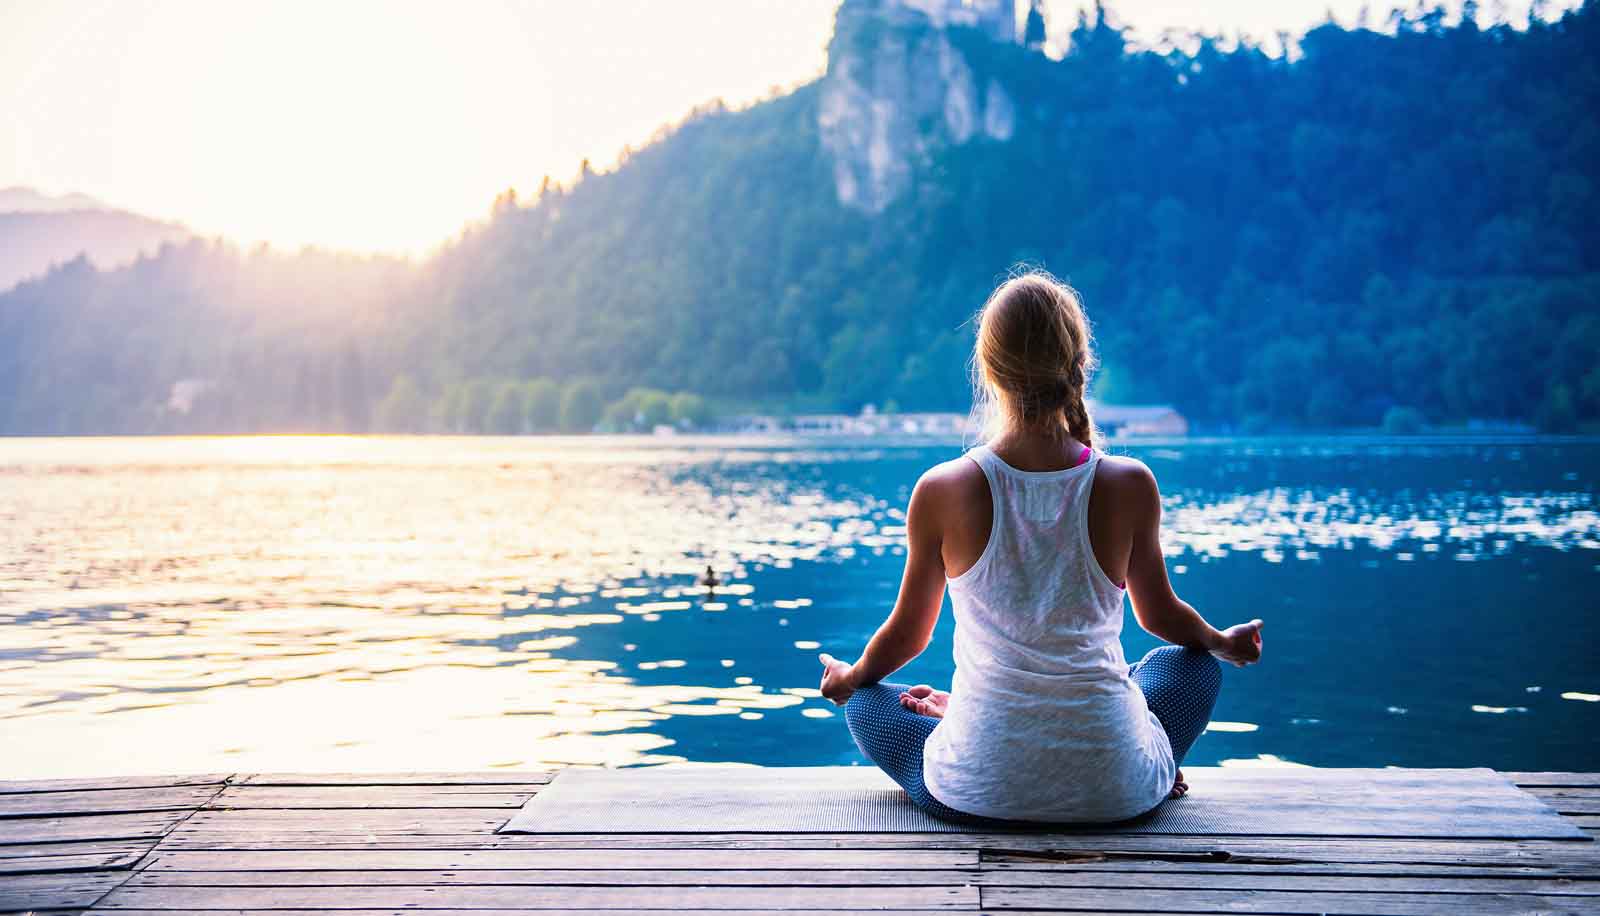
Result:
[
  {"x": 1179, "y": 787},
  {"x": 924, "y": 700}
]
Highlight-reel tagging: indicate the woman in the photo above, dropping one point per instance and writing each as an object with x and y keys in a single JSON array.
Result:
[{"x": 1034, "y": 533}]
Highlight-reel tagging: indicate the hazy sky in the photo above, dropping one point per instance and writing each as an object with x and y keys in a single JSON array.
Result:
[{"x": 386, "y": 124}]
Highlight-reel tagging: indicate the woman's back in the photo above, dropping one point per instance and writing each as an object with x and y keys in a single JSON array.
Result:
[{"x": 1043, "y": 721}]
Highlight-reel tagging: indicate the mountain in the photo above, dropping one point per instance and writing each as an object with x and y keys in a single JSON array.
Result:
[
  {"x": 38, "y": 231},
  {"x": 27, "y": 200},
  {"x": 1383, "y": 223}
]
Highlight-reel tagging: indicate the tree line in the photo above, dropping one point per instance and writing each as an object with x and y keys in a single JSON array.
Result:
[{"x": 515, "y": 407}]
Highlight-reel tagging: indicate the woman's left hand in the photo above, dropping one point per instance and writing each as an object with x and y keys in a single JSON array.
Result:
[
  {"x": 1240, "y": 644},
  {"x": 838, "y": 679}
]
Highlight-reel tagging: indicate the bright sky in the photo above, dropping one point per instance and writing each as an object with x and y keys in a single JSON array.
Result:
[{"x": 387, "y": 124}]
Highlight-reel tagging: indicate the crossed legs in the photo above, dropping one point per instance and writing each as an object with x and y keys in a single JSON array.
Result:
[{"x": 1180, "y": 686}]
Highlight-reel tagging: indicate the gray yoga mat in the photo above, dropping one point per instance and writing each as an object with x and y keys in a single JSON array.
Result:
[{"x": 1222, "y": 802}]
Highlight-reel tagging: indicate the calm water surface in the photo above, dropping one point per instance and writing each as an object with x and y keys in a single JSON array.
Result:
[{"x": 185, "y": 605}]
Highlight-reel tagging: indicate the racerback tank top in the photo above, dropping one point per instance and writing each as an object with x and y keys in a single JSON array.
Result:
[{"x": 1044, "y": 723}]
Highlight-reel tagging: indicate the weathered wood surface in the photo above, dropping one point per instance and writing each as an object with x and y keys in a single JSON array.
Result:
[
  {"x": 368, "y": 845},
  {"x": 521, "y": 859},
  {"x": 113, "y": 783},
  {"x": 491, "y": 778},
  {"x": 152, "y": 825},
  {"x": 63, "y": 891},
  {"x": 287, "y": 798},
  {"x": 1387, "y": 802},
  {"x": 104, "y": 801}
]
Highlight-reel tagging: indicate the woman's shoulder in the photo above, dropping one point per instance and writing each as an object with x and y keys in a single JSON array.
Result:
[
  {"x": 954, "y": 483},
  {"x": 952, "y": 478},
  {"x": 952, "y": 496},
  {"x": 1125, "y": 467},
  {"x": 1126, "y": 479}
]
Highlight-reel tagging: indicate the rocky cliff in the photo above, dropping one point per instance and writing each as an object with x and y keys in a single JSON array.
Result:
[{"x": 898, "y": 86}]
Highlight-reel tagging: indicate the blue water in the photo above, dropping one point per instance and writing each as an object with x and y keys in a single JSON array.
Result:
[{"x": 398, "y": 603}]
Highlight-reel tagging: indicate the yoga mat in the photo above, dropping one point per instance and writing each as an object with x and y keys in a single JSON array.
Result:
[{"x": 1476, "y": 803}]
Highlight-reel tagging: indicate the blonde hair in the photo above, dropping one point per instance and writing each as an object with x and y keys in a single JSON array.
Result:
[{"x": 1032, "y": 360}]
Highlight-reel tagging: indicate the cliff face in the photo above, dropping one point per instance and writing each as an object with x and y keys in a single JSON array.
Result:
[{"x": 897, "y": 87}]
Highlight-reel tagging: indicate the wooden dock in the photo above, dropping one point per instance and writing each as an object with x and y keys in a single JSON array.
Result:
[{"x": 372, "y": 845}]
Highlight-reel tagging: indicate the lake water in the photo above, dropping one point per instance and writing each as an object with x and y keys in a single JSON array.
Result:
[{"x": 326, "y": 603}]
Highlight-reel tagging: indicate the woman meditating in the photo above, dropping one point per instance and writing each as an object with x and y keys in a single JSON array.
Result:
[{"x": 1034, "y": 533}]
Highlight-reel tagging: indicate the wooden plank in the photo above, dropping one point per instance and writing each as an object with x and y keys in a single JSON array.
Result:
[
  {"x": 510, "y": 912},
  {"x": 1382, "y": 785},
  {"x": 759, "y": 859},
  {"x": 1273, "y": 881},
  {"x": 1525, "y": 780},
  {"x": 556, "y": 859},
  {"x": 319, "y": 797},
  {"x": 1438, "y": 905},
  {"x": 1165, "y": 900},
  {"x": 420, "y": 791},
  {"x": 28, "y": 865},
  {"x": 1570, "y": 801},
  {"x": 111, "y": 848},
  {"x": 1200, "y": 865},
  {"x": 1575, "y": 807},
  {"x": 88, "y": 827},
  {"x": 733, "y": 876},
  {"x": 534, "y": 877},
  {"x": 544, "y": 897},
  {"x": 361, "y": 822},
  {"x": 489, "y": 778},
  {"x": 1045, "y": 846},
  {"x": 73, "y": 890},
  {"x": 1495, "y": 853},
  {"x": 110, "y": 782},
  {"x": 105, "y": 801}
]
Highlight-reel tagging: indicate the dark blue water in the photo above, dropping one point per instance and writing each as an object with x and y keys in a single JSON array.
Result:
[{"x": 1426, "y": 605}]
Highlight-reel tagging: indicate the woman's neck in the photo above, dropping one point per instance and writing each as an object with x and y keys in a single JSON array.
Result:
[{"x": 1037, "y": 449}]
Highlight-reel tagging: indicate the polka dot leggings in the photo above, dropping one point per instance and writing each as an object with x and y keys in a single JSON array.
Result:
[{"x": 1180, "y": 685}]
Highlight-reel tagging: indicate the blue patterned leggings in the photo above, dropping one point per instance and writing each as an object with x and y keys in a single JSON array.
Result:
[{"x": 1180, "y": 685}]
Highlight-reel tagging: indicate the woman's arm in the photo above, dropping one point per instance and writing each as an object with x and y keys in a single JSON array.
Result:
[
  {"x": 910, "y": 626},
  {"x": 1157, "y": 608}
]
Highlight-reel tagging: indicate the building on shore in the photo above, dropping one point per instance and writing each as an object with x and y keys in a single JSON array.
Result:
[
  {"x": 1115, "y": 420},
  {"x": 1121, "y": 420}
]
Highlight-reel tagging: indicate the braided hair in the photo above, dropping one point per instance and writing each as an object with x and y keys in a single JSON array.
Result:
[{"x": 1033, "y": 359}]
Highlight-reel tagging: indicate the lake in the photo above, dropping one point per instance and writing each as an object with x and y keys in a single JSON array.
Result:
[{"x": 348, "y": 603}]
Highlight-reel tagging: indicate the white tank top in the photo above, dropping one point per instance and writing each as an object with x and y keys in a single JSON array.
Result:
[{"x": 1044, "y": 723}]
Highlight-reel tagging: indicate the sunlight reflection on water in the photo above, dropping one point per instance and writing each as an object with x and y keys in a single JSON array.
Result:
[{"x": 339, "y": 603}]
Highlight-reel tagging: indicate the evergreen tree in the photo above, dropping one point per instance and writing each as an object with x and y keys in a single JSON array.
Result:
[
  {"x": 542, "y": 401},
  {"x": 581, "y": 406}
]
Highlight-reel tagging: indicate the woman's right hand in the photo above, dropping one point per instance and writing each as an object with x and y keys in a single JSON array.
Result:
[
  {"x": 838, "y": 679},
  {"x": 1240, "y": 644}
]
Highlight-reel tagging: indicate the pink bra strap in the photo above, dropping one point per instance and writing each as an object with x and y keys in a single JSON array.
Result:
[{"x": 1085, "y": 456}]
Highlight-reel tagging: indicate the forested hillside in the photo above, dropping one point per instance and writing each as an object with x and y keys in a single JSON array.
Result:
[{"x": 1387, "y": 221}]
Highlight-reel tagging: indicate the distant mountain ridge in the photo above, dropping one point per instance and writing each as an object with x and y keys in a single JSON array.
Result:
[
  {"x": 18, "y": 199},
  {"x": 39, "y": 231}
]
